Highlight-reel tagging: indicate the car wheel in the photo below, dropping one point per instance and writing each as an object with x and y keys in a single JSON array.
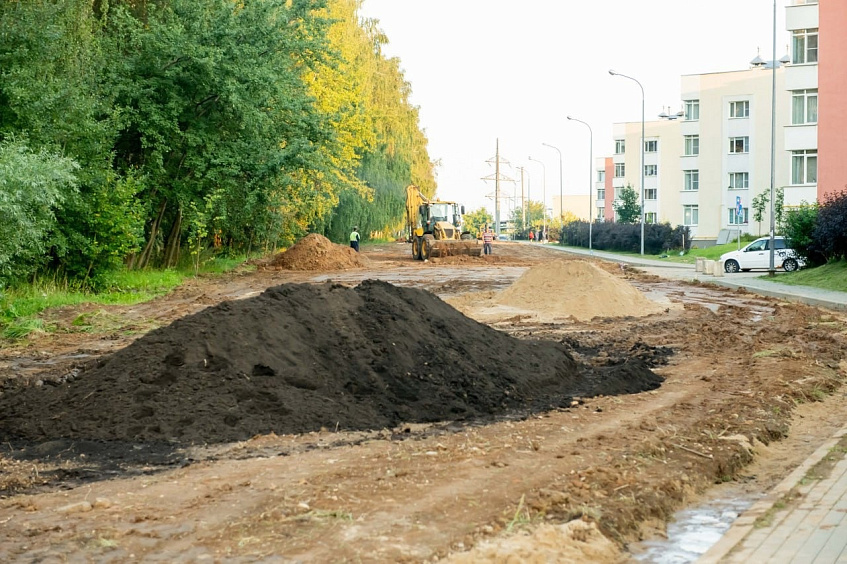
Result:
[
  {"x": 731, "y": 266},
  {"x": 790, "y": 265}
]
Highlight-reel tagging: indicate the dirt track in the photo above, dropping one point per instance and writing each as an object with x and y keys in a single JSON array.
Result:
[{"x": 741, "y": 366}]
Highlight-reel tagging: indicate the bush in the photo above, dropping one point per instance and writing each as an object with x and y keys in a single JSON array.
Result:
[
  {"x": 830, "y": 231},
  {"x": 32, "y": 186},
  {"x": 626, "y": 237},
  {"x": 799, "y": 227}
]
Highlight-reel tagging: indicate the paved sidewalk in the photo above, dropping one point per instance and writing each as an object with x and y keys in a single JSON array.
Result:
[
  {"x": 751, "y": 281},
  {"x": 810, "y": 528}
]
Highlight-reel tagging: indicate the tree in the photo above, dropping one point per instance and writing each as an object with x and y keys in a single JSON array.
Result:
[
  {"x": 475, "y": 221},
  {"x": 534, "y": 218},
  {"x": 32, "y": 186},
  {"x": 627, "y": 208},
  {"x": 759, "y": 205},
  {"x": 830, "y": 233}
]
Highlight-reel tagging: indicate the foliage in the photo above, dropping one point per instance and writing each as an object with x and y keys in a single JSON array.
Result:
[
  {"x": 759, "y": 205},
  {"x": 207, "y": 124},
  {"x": 830, "y": 233},
  {"x": 32, "y": 186},
  {"x": 475, "y": 221},
  {"x": 534, "y": 218},
  {"x": 799, "y": 227},
  {"x": 625, "y": 237},
  {"x": 627, "y": 208}
]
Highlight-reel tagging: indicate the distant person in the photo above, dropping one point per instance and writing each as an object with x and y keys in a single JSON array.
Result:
[
  {"x": 487, "y": 239},
  {"x": 531, "y": 235},
  {"x": 354, "y": 239}
]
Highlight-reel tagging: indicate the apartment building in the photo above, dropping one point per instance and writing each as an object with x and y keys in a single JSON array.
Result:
[
  {"x": 832, "y": 86},
  {"x": 707, "y": 169}
]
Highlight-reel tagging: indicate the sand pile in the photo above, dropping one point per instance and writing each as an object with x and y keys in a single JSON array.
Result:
[
  {"x": 578, "y": 289},
  {"x": 316, "y": 252},
  {"x": 558, "y": 290},
  {"x": 302, "y": 357}
]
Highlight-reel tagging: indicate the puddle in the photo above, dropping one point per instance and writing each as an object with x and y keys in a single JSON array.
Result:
[{"x": 692, "y": 532}]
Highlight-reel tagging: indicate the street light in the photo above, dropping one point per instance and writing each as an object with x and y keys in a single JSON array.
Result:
[
  {"x": 590, "y": 179},
  {"x": 613, "y": 73},
  {"x": 561, "y": 192},
  {"x": 771, "y": 269},
  {"x": 543, "y": 193}
]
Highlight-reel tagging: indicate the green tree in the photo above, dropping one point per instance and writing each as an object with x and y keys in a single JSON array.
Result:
[
  {"x": 534, "y": 217},
  {"x": 475, "y": 221},
  {"x": 759, "y": 205},
  {"x": 32, "y": 186},
  {"x": 627, "y": 208}
]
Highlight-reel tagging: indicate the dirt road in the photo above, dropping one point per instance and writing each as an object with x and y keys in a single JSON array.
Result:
[{"x": 746, "y": 380}]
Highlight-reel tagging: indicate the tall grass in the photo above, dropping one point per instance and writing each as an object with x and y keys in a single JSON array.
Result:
[{"x": 21, "y": 305}]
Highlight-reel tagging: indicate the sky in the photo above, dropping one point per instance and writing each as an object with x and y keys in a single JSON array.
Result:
[{"x": 513, "y": 70}]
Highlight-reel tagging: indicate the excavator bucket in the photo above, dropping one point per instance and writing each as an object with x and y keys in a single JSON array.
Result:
[{"x": 451, "y": 248}]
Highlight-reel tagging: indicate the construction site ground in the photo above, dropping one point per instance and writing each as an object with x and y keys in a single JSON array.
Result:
[{"x": 752, "y": 386}]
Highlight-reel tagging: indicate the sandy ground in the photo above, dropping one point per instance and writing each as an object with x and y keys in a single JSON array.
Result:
[{"x": 752, "y": 387}]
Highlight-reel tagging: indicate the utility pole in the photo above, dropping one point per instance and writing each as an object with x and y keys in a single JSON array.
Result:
[{"x": 497, "y": 178}]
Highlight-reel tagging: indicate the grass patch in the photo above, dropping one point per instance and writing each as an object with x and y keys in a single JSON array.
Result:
[
  {"x": 20, "y": 306},
  {"x": 832, "y": 276}
]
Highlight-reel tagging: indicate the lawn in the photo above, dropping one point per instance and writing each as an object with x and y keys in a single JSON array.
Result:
[{"x": 832, "y": 276}]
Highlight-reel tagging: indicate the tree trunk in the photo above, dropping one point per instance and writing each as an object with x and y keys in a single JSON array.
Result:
[
  {"x": 172, "y": 246},
  {"x": 142, "y": 260}
]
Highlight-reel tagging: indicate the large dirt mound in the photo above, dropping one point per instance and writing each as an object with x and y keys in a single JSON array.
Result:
[
  {"x": 316, "y": 252},
  {"x": 578, "y": 289},
  {"x": 301, "y": 357}
]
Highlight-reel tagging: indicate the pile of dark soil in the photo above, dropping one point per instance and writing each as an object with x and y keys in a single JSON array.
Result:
[{"x": 300, "y": 358}]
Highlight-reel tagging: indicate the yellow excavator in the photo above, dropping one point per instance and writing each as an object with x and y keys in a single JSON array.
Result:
[{"x": 435, "y": 228}]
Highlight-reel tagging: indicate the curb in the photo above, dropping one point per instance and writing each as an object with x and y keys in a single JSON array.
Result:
[{"x": 746, "y": 521}]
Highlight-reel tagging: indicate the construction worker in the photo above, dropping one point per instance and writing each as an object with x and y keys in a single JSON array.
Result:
[
  {"x": 487, "y": 239},
  {"x": 354, "y": 239}
]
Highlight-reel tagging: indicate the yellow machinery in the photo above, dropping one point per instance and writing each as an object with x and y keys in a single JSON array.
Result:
[{"x": 435, "y": 228}]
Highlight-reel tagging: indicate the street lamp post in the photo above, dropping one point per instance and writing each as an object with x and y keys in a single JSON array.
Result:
[
  {"x": 771, "y": 269},
  {"x": 561, "y": 191},
  {"x": 590, "y": 180},
  {"x": 613, "y": 73},
  {"x": 543, "y": 193}
]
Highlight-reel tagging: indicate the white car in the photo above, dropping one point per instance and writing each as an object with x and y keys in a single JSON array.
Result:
[{"x": 757, "y": 255}]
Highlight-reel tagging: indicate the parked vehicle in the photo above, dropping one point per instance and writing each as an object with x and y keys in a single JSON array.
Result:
[{"x": 758, "y": 255}]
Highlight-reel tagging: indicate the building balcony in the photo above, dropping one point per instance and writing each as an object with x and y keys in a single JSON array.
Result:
[
  {"x": 801, "y": 15},
  {"x": 801, "y": 137},
  {"x": 801, "y": 77}
]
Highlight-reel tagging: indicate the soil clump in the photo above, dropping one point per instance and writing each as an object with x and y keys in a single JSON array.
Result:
[
  {"x": 302, "y": 358},
  {"x": 316, "y": 252}
]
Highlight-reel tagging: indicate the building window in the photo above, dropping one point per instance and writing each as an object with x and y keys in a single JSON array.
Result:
[
  {"x": 692, "y": 145},
  {"x": 739, "y": 219},
  {"x": 617, "y": 194},
  {"x": 620, "y": 170},
  {"x": 690, "y": 215},
  {"x": 601, "y": 193},
  {"x": 650, "y": 217},
  {"x": 651, "y": 146},
  {"x": 650, "y": 194},
  {"x": 739, "y": 145},
  {"x": 651, "y": 170},
  {"x": 739, "y": 180},
  {"x": 601, "y": 176},
  {"x": 804, "y": 107},
  {"x": 601, "y": 213},
  {"x": 740, "y": 109},
  {"x": 804, "y": 46},
  {"x": 804, "y": 167},
  {"x": 692, "y": 110},
  {"x": 692, "y": 180},
  {"x": 620, "y": 146}
]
